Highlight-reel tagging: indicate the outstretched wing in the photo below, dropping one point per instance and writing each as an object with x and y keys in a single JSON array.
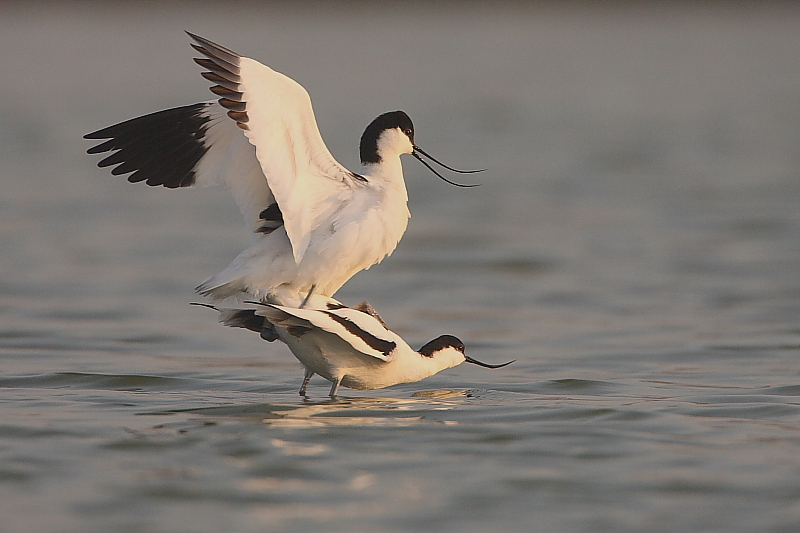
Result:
[
  {"x": 361, "y": 331},
  {"x": 276, "y": 115},
  {"x": 280, "y": 171},
  {"x": 194, "y": 145}
]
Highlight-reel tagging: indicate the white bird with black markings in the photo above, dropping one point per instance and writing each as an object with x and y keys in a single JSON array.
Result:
[
  {"x": 314, "y": 223},
  {"x": 350, "y": 347}
]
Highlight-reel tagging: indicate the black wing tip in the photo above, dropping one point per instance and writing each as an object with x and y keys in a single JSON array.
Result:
[
  {"x": 101, "y": 134},
  {"x": 100, "y": 148},
  {"x": 199, "y": 304},
  {"x": 207, "y": 44},
  {"x": 198, "y": 48},
  {"x": 197, "y": 38},
  {"x": 161, "y": 148}
]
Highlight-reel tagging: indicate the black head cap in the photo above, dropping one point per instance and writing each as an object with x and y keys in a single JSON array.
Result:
[
  {"x": 387, "y": 121},
  {"x": 440, "y": 343}
]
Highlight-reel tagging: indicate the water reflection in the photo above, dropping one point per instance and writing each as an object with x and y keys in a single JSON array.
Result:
[{"x": 358, "y": 412}]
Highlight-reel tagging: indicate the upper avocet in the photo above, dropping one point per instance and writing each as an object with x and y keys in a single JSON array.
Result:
[
  {"x": 314, "y": 223},
  {"x": 351, "y": 347}
]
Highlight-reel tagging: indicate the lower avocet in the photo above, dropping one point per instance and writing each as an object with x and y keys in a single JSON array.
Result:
[{"x": 351, "y": 347}]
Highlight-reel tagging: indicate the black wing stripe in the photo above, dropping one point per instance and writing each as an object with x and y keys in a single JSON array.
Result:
[{"x": 380, "y": 345}]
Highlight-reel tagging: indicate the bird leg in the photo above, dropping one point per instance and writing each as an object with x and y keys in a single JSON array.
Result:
[
  {"x": 306, "y": 379},
  {"x": 308, "y": 296},
  {"x": 335, "y": 387}
]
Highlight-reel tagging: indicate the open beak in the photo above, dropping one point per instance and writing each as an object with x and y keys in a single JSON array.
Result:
[
  {"x": 419, "y": 152},
  {"x": 485, "y": 365}
]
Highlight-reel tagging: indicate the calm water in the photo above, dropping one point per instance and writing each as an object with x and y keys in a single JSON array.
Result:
[{"x": 635, "y": 247}]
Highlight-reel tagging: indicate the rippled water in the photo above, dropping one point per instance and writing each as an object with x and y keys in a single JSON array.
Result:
[{"x": 635, "y": 247}]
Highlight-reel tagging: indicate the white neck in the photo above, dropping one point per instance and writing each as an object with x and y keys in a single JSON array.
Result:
[
  {"x": 388, "y": 173},
  {"x": 417, "y": 366}
]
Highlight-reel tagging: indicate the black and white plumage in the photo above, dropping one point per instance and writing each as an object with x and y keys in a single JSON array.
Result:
[
  {"x": 351, "y": 347},
  {"x": 314, "y": 223}
]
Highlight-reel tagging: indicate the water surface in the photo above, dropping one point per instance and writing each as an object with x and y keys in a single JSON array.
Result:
[{"x": 634, "y": 247}]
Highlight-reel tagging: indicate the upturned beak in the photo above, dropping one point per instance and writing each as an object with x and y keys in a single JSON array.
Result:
[
  {"x": 419, "y": 152},
  {"x": 469, "y": 359}
]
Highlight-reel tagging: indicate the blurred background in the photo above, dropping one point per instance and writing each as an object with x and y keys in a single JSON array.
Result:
[{"x": 635, "y": 246}]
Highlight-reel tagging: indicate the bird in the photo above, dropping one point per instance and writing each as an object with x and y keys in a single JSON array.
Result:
[
  {"x": 313, "y": 223},
  {"x": 350, "y": 346}
]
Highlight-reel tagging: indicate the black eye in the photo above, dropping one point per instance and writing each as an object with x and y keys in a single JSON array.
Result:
[{"x": 408, "y": 132}]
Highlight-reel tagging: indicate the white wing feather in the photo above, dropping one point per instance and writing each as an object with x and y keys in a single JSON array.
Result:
[
  {"x": 231, "y": 161},
  {"x": 305, "y": 179},
  {"x": 361, "y": 331},
  {"x": 261, "y": 141}
]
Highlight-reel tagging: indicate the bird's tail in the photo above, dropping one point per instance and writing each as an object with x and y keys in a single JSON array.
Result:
[
  {"x": 238, "y": 318},
  {"x": 218, "y": 288},
  {"x": 244, "y": 318}
]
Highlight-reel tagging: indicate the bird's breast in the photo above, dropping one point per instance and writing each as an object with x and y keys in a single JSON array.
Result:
[{"x": 358, "y": 236}]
